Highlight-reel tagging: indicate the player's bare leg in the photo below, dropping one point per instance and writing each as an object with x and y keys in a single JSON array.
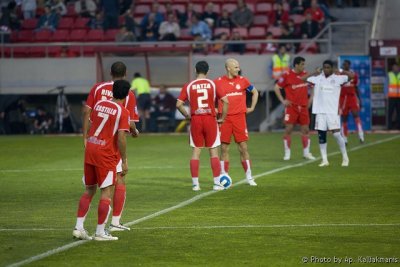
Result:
[
  {"x": 287, "y": 140},
  {"x": 84, "y": 205},
  {"x": 216, "y": 168},
  {"x": 224, "y": 158},
  {"x": 246, "y": 163},
  {"x": 103, "y": 212},
  {"x": 194, "y": 168},
  {"x": 305, "y": 139},
  {"x": 357, "y": 120},
  {"x": 323, "y": 148},
  {"x": 342, "y": 146},
  {"x": 118, "y": 205}
]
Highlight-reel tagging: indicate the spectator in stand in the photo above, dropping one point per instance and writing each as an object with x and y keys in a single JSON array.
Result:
[
  {"x": 236, "y": 47},
  {"x": 209, "y": 15},
  {"x": 316, "y": 13},
  {"x": 58, "y": 7},
  {"x": 97, "y": 22},
  {"x": 158, "y": 16},
  {"x": 169, "y": 30},
  {"x": 278, "y": 16},
  {"x": 309, "y": 27},
  {"x": 169, "y": 9},
  {"x": 325, "y": 8},
  {"x": 185, "y": 20},
  {"x": 294, "y": 29},
  {"x": 269, "y": 47},
  {"x": 42, "y": 123},
  {"x": 286, "y": 35},
  {"x": 48, "y": 21},
  {"x": 224, "y": 21},
  {"x": 124, "y": 35},
  {"x": 131, "y": 24},
  {"x": 200, "y": 29},
  {"x": 28, "y": 7},
  {"x": 85, "y": 8},
  {"x": 163, "y": 106},
  {"x": 150, "y": 28},
  {"x": 220, "y": 48},
  {"x": 242, "y": 16},
  {"x": 9, "y": 17},
  {"x": 299, "y": 6},
  {"x": 124, "y": 5},
  {"x": 110, "y": 10}
]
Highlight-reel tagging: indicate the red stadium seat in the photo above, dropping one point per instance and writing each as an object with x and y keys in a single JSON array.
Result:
[
  {"x": 253, "y": 48},
  {"x": 260, "y": 20},
  {"x": 25, "y": 36},
  {"x": 43, "y": 36},
  {"x": 242, "y": 31},
  {"x": 257, "y": 33},
  {"x": 81, "y": 23},
  {"x": 286, "y": 6},
  {"x": 60, "y": 36},
  {"x": 185, "y": 35},
  {"x": 71, "y": 11},
  {"x": 20, "y": 52},
  {"x": 95, "y": 35},
  {"x": 311, "y": 49},
  {"x": 141, "y": 10},
  {"x": 229, "y": 7},
  {"x": 218, "y": 31},
  {"x": 29, "y": 24},
  {"x": 298, "y": 19},
  {"x": 78, "y": 35},
  {"x": 263, "y": 8},
  {"x": 198, "y": 8},
  {"x": 14, "y": 37},
  {"x": 180, "y": 7},
  {"x": 251, "y": 7},
  {"x": 37, "y": 51},
  {"x": 276, "y": 31},
  {"x": 54, "y": 50},
  {"x": 109, "y": 35},
  {"x": 65, "y": 23}
]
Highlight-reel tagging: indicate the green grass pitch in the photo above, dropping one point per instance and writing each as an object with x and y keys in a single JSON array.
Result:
[{"x": 295, "y": 214}]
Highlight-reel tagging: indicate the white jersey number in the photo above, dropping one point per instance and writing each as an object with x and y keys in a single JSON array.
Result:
[
  {"x": 203, "y": 96},
  {"x": 103, "y": 122}
]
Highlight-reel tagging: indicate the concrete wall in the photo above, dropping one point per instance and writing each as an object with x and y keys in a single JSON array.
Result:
[{"x": 38, "y": 76}]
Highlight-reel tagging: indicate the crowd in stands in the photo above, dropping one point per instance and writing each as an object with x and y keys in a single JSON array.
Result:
[{"x": 143, "y": 20}]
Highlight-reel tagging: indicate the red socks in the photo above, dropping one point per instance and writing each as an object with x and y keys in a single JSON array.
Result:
[
  {"x": 84, "y": 204},
  {"x": 103, "y": 210},
  {"x": 305, "y": 140},
  {"x": 194, "y": 168},
  {"x": 119, "y": 199},
  {"x": 287, "y": 141},
  {"x": 215, "y": 166},
  {"x": 345, "y": 129}
]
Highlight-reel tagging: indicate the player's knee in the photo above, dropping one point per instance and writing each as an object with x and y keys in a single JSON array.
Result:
[{"x": 322, "y": 137}]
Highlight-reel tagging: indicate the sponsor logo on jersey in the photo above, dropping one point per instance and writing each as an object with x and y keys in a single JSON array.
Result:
[
  {"x": 234, "y": 94},
  {"x": 295, "y": 86}
]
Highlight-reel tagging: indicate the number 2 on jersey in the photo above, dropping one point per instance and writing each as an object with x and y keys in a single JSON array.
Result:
[
  {"x": 202, "y": 98},
  {"x": 104, "y": 116}
]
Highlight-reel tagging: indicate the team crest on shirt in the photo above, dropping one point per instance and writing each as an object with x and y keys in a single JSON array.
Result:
[{"x": 238, "y": 87}]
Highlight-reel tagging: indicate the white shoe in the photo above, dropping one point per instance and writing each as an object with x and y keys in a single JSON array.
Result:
[
  {"x": 218, "y": 187},
  {"x": 286, "y": 157},
  {"x": 362, "y": 141},
  {"x": 196, "y": 188},
  {"x": 105, "y": 237},
  {"x": 324, "y": 164},
  {"x": 345, "y": 162},
  {"x": 309, "y": 156},
  {"x": 81, "y": 234},
  {"x": 251, "y": 182},
  {"x": 118, "y": 228}
]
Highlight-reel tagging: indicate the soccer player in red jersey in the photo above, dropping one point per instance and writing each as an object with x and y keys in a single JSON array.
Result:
[
  {"x": 102, "y": 91},
  {"x": 235, "y": 87},
  {"x": 350, "y": 101},
  {"x": 202, "y": 95},
  {"x": 296, "y": 104},
  {"x": 105, "y": 146}
]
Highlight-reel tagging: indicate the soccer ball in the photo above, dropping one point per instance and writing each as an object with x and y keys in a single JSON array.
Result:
[{"x": 225, "y": 180}]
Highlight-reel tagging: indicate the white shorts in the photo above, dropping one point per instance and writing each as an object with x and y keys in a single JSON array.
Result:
[
  {"x": 119, "y": 166},
  {"x": 325, "y": 122}
]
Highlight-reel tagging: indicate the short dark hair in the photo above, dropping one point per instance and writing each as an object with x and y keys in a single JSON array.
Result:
[
  {"x": 202, "y": 67},
  {"x": 328, "y": 62},
  {"x": 121, "y": 89},
  {"x": 298, "y": 60},
  {"x": 347, "y": 61},
  {"x": 137, "y": 75},
  {"x": 118, "y": 69}
]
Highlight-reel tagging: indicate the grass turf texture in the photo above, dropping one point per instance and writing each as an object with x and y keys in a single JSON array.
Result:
[{"x": 299, "y": 212}]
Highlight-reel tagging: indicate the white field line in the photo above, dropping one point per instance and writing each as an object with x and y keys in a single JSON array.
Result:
[{"x": 187, "y": 202}]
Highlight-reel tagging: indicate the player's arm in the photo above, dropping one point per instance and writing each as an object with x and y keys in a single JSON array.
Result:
[
  {"x": 310, "y": 99},
  {"x": 181, "y": 108},
  {"x": 279, "y": 95},
  {"x": 133, "y": 130},
  {"x": 122, "y": 151},
  {"x": 350, "y": 75},
  {"x": 316, "y": 72},
  {"x": 225, "y": 106},
  {"x": 358, "y": 94},
  {"x": 254, "y": 100},
  {"x": 86, "y": 123}
]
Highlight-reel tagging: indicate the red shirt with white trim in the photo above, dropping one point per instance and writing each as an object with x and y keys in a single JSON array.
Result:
[
  {"x": 349, "y": 88},
  {"x": 296, "y": 90}
]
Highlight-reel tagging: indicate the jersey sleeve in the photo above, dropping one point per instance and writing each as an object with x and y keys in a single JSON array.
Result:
[
  {"x": 247, "y": 84},
  {"x": 312, "y": 79},
  {"x": 342, "y": 79},
  {"x": 90, "y": 101},
  {"x": 183, "y": 95},
  {"x": 124, "y": 121},
  {"x": 282, "y": 81},
  {"x": 132, "y": 107}
]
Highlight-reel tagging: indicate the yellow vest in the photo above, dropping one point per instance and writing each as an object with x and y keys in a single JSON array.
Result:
[
  {"x": 394, "y": 85},
  {"x": 141, "y": 85},
  {"x": 280, "y": 65}
]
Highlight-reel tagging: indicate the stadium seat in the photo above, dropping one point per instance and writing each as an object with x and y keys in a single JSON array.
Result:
[
  {"x": 298, "y": 19},
  {"x": 185, "y": 35},
  {"x": 43, "y": 36},
  {"x": 276, "y": 31},
  {"x": 14, "y": 37},
  {"x": 60, "y": 36},
  {"x": 95, "y": 35},
  {"x": 217, "y": 8},
  {"x": 25, "y": 36},
  {"x": 141, "y": 10},
  {"x": 260, "y": 20},
  {"x": 218, "y": 31},
  {"x": 257, "y": 33},
  {"x": 286, "y": 6},
  {"x": 78, "y": 35},
  {"x": 20, "y": 52},
  {"x": 71, "y": 11},
  {"x": 109, "y": 35},
  {"x": 229, "y": 6},
  {"x": 311, "y": 49},
  {"x": 242, "y": 31},
  {"x": 54, "y": 50},
  {"x": 263, "y": 8},
  {"x": 251, "y": 6},
  {"x": 65, "y": 23},
  {"x": 29, "y": 24},
  {"x": 180, "y": 7},
  {"x": 37, "y": 51},
  {"x": 81, "y": 23},
  {"x": 198, "y": 8},
  {"x": 253, "y": 48}
]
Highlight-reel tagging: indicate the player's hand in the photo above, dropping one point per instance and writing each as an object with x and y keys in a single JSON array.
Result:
[
  {"x": 220, "y": 121},
  {"x": 286, "y": 103},
  {"x": 249, "y": 110},
  {"x": 135, "y": 133},
  {"x": 84, "y": 142},
  {"x": 317, "y": 71},
  {"x": 124, "y": 168}
]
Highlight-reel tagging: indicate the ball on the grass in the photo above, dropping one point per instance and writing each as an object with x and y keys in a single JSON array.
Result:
[{"x": 225, "y": 180}]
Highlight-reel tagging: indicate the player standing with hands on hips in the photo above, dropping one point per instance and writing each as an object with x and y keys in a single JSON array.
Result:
[
  {"x": 327, "y": 86},
  {"x": 204, "y": 131},
  {"x": 235, "y": 87}
]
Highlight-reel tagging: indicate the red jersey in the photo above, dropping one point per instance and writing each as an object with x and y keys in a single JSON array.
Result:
[
  {"x": 235, "y": 90},
  {"x": 201, "y": 94},
  {"x": 103, "y": 91},
  {"x": 107, "y": 119},
  {"x": 296, "y": 90},
  {"x": 349, "y": 88}
]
